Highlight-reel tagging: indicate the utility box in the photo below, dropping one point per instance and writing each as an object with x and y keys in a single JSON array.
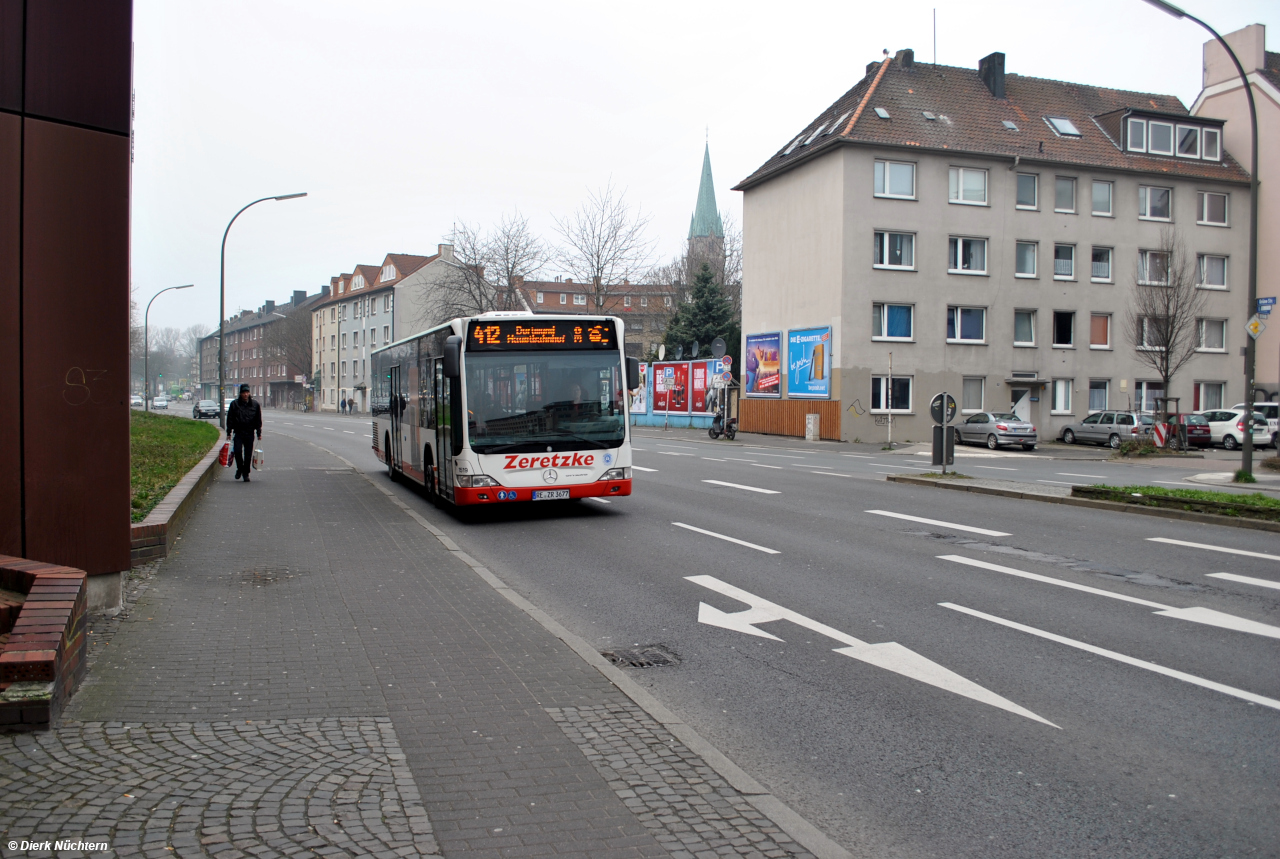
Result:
[
  {"x": 944, "y": 446},
  {"x": 812, "y": 428}
]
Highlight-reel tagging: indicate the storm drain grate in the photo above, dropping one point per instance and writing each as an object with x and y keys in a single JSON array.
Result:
[
  {"x": 259, "y": 576},
  {"x": 646, "y": 656}
]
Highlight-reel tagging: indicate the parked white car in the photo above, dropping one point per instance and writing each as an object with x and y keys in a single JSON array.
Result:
[
  {"x": 160, "y": 402},
  {"x": 1270, "y": 411},
  {"x": 1226, "y": 427}
]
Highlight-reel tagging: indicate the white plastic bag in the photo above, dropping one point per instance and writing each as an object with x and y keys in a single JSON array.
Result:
[{"x": 258, "y": 459}]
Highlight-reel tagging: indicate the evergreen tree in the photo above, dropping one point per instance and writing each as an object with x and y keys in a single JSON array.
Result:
[{"x": 709, "y": 315}]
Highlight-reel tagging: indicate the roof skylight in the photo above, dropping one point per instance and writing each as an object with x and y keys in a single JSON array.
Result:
[
  {"x": 793, "y": 145},
  {"x": 1063, "y": 126},
  {"x": 1009, "y": 125},
  {"x": 927, "y": 114},
  {"x": 882, "y": 113},
  {"x": 816, "y": 132}
]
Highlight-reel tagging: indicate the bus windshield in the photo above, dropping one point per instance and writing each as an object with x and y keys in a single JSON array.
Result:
[{"x": 523, "y": 402}]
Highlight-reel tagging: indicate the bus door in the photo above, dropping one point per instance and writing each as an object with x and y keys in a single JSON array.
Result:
[
  {"x": 395, "y": 410},
  {"x": 444, "y": 430}
]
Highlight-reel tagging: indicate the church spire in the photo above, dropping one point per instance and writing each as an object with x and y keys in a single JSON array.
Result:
[{"x": 706, "y": 218}]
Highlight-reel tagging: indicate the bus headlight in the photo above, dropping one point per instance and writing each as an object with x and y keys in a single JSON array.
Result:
[
  {"x": 617, "y": 474},
  {"x": 475, "y": 480}
]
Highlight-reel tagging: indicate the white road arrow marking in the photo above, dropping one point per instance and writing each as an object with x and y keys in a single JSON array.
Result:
[
  {"x": 1195, "y": 614},
  {"x": 889, "y": 655},
  {"x": 1120, "y": 657}
]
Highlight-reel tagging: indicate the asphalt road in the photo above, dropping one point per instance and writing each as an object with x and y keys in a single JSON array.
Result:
[{"x": 1036, "y": 703}]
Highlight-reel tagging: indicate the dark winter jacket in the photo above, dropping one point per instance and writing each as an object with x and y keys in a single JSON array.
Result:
[{"x": 244, "y": 417}]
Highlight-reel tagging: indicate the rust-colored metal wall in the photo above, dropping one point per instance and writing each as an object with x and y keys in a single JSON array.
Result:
[{"x": 64, "y": 157}]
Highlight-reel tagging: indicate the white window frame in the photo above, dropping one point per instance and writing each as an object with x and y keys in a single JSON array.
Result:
[
  {"x": 1074, "y": 193},
  {"x": 897, "y": 409},
  {"x": 1111, "y": 264},
  {"x": 626, "y": 301},
  {"x": 564, "y": 298},
  {"x": 1035, "y": 260},
  {"x": 881, "y": 242},
  {"x": 1072, "y": 275},
  {"x": 1202, "y": 272},
  {"x": 1060, "y": 395},
  {"x": 1105, "y": 347},
  {"x": 1106, "y": 396},
  {"x": 1144, "y": 266},
  {"x": 1177, "y": 141},
  {"x": 953, "y": 319},
  {"x": 1053, "y": 333},
  {"x": 1222, "y": 394},
  {"x": 386, "y": 334},
  {"x": 982, "y": 396},
  {"x": 883, "y": 164},
  {"x": 1111, "y": 199},
  {"x": 579, "y": 299},
  {"x": 1142, "y": 123},
  {"x": 880, "y": 311},
  {"x": 959, "y": 174},
  {"x": 1202, "y": 209},
  {"x": 1144, "y": 203},
  {"x": 666, "y": 301},
  {"x": 1140, "y": 389},
  {"x": 1035, "y": 185},
  {"x": 1201, "y": 325},
  {"x": 1144, "y": 346},
  {"x": 1173, "y": 137},
  {"x": 1024, "y": 344},
  {"x": 1217, "y": 144},
  {"x": 958, "y": 254},
  {"x": 644, "y": 301},
  {"x": 538, "y": 298},
  {"x": 388, "y": 273}
]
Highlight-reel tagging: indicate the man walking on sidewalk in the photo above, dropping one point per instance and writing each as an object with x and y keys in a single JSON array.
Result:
[{"x": 244, "y": 418}]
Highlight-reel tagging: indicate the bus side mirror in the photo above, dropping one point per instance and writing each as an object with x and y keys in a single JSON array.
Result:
[
  {"x": 633, "y": 373},
  {"x": 452, "y": 356}
]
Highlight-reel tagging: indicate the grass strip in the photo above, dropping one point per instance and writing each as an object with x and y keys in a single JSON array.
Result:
[
  {"x": 162, "y": 449},
  {"x": 1255, "y": 505}
]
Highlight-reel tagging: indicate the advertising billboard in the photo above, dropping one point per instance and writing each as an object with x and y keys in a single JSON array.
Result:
[
  {"x": 700, "y": 382},
  {"x": 671, "y": 387},
  {"x": 809, "y": 363},
  {"x": 762, "y": 368},
  {"x": 640, "y": 399}
]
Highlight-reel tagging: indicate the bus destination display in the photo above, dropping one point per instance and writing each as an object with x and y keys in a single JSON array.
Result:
[{"x": 503, "y": 334}]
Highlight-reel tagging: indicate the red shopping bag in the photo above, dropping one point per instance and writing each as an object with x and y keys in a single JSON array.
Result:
[{"x": 224, "y": 455}]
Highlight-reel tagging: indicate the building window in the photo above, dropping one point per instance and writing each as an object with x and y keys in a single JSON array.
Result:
[
  {"x": 895, "y": 179},
  {"x": 644, "y": 301},
  {"x": 333, "y": 314},
  {"x": 1099, "y": 389},
  {"x": 386, "y": 303},
  {"x": 1064, "y": 194},
  {"x": 1160, "y": 138},
  {"x": 966, "y": 324},
  {"x": 1025, "y": 259},
  {"x": 971, "y": 398},
  {"x": 1146, "y": 393},
  {"x": 666, "y": 301},
  {"x": 331, "y": 368},
  {"x": 344, "y": 368},
  {"x": 344, "y": 341},
  {"x": 1212, "y": 148},
  {"x": 1064, "y": 262},
  {"x": 1062, "y": 126},
  {"x": 357, "y": 282},
  {"x": 1188, "y": 141},
  {"x": 1211, "y": 209},
  {"x": 967, "y": 256},
  {"x": 1209, "y": 395},
  {"x": 1100, "y": 331},
  {"x": 968, "y": 186},
  {"x": 388, "y": 273},
  {"x": 1153, "y": 203},
  {"x": 892, "y": 322},
  {"x": 386, "y": 334},
  {"x": 1153, "y": 268},
  {"x": 626, "y": 301},
  {"x": 1027, "y": 187},
  {"x": 895, "y": 250},
  {"x": 1064, "y": 329},
  {"x": 1024, "y": 328},
  {"x": 895, "y": 398},
  {"x": 1213, "y": 335},
  {"x": 1101, "y": 270},
  {"x": 1154, "y": 334},
  {"x": 1102, "y": 198},
  {"x": 1213, "y": 271},
  {"x": 1137, "y": 135},
  {"x": 539, "y": 298},
  {"x": 564, "y": 298},
  {"x": 1062, "y": 396}
]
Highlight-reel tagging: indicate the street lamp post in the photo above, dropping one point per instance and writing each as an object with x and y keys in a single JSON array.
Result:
[
  {"x": 146, "y": 345},
  {"x": 1250, "y": 347},
  {"x": 222, "y": 305}
]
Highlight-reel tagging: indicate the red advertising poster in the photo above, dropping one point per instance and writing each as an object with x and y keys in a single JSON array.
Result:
[
  {"x": 671, "y": 387},
  {"x": 700, "y": 382}
]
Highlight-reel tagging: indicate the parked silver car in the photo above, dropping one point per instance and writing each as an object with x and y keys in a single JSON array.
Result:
[
  {"x": 995, "y": 429},
  {"x": 1109, "y": 428}
]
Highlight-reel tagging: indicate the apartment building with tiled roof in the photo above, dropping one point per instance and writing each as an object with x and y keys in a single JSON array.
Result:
[
  {"x": 646, "y": 308},
  {"x": 982, "y": 231},
  {"x": 1223, "y": 97}
]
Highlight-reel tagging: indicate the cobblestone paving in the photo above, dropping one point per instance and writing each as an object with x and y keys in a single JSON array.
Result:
[
  {"x": 691, "y": 810},
  {"x": 221, "y": 789}
]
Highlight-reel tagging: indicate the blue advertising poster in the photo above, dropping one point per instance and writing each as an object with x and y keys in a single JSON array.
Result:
[
  {"x": 761, "y": 366},
  {"x": 809, "y": 363}
]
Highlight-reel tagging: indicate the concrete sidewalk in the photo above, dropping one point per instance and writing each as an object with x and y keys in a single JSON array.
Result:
[{"x": 314, "y": 672}]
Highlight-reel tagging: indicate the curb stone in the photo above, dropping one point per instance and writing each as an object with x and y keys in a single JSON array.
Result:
[
  {"x": 801, "y": 830},
  {"x": 1162, "y": 512}
]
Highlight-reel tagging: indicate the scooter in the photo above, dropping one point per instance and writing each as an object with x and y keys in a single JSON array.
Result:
[{"x": 718, "y": 426}]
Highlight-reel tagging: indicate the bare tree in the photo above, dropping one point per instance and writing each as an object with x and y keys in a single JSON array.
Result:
[
  {"x": 189, "y": 345},
  {"x": 288, "y": 341},
  {"x": 463, "y": 290},
  {"x": 512, "y": 254},
  {"x": 605, "y": 242},
  {"x": 1163, "y": 320}
]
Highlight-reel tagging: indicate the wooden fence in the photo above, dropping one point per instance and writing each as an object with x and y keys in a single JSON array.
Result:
[{"x": 786, "y": 417}]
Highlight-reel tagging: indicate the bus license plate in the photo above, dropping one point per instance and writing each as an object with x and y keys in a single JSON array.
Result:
[{"x": 550, "y": 494}]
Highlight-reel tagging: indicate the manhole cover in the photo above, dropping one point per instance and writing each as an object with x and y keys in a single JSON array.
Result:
[
  {"x": 260, "y": 576},
  {"x": 646, "y": 656}
]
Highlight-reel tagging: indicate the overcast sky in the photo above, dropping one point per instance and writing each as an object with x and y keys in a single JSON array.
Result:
[{"x": 400, "y": 118}]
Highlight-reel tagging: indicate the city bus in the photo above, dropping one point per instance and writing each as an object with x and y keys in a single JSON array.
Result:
[{"x": 507, "y": 406}]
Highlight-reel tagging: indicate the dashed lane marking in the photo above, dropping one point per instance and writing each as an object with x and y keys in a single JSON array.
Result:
[
  {"x": 762, "y": 465},
  {"x": 940, "y": 524},
  {"x": 1245, "y": 580},
  {"x": 1225, "y": 549},
  {"x": 742, "y": 486},
  {"x": 600, "y": 500},
  {"x": 642, "y": 468},
  {"x": 728, "y": 539},
  {"x": 1069, "y": 474},
  {"x": 996, "y": 467}
]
